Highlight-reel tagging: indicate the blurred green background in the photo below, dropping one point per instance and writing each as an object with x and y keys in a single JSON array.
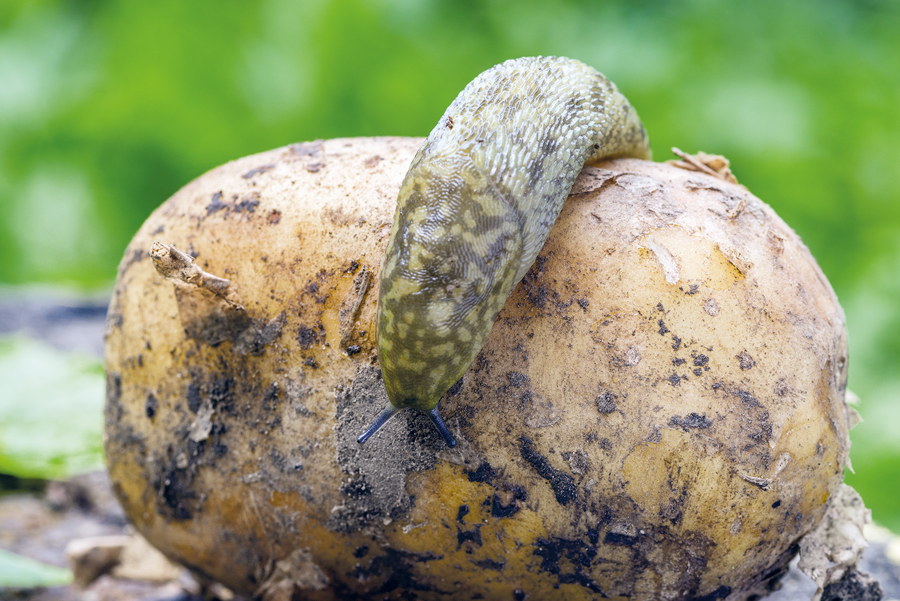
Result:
[{"x": 107, "y": 108}]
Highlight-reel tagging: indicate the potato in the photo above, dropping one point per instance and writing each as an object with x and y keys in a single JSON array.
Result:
[{"x": 658, "y": 412}]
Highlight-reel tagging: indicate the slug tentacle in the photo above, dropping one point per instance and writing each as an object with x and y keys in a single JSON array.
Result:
[
  {"x": 442, "y": 427},
  {"x": 388, "y": 412},
  {"x": 475, "y": 209}
]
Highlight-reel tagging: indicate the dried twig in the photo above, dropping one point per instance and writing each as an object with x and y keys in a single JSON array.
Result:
[
  {"x": 711, "y": 164},
  {"x": 763, "y": 483},
  {"x": 175, "y": 265}
]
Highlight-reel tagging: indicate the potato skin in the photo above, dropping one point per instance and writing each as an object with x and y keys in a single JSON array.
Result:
[{"x": 657, "y": 413}]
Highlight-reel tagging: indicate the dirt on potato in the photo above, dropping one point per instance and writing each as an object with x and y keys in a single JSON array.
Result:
[{"x": 658, "y": 412}]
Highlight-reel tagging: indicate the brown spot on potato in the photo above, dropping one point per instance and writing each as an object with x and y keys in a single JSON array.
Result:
[
  {"x": 606, "y": 402},
  {"x": 485, "y": 473},
  {"x": 501, "y": 510},
  {"x": 151, "y": 406},
  {"x": 257, "y": 171},
  {"x": 562, "y": 484},
  {"x": 396, "y": 568},
  {"x": 215, "y": 204},
  {"x": 490, "y": 564},
  {"x": 473, "y": 536},
  {"x": 461, "y": 513},
  {"x": 745, "y": 360},
  {"x": 309, "y": 337},
  {"x": 113, "y": 409},
  {"x": 575, "y": 553},
  {"x": 691, "y": 420},
  {"x": 663, "y": 330}
]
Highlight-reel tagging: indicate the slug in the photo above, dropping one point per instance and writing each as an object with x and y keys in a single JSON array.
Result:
[{"x": 475, "y": 209}]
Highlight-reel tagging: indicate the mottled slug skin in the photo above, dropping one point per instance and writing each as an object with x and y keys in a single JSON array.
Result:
[{"x": 477, "y": 205}]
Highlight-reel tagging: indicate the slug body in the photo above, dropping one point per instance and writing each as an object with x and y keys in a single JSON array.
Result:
[{"x": 475, "y": 209}]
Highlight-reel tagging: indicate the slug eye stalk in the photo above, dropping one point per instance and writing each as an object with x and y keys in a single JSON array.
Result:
[
  {"x": 390, "y": 411},
  {"x": 442, "y": 427}
]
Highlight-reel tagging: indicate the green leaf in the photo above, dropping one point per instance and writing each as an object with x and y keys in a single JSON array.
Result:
[
  {"x": 51, "y": 411},
  {"x": 17, "y": 571}
]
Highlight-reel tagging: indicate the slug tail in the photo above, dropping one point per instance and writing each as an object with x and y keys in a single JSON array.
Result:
[
  {"x": 442, "y": 427},
  {"x": 389, "y": 412}
]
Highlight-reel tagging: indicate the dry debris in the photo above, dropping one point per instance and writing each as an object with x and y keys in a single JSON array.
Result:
[{"x": 711, "y": 164}]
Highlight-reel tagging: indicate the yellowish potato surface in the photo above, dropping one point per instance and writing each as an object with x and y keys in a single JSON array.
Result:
[{"x": 658, "y": 412}]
